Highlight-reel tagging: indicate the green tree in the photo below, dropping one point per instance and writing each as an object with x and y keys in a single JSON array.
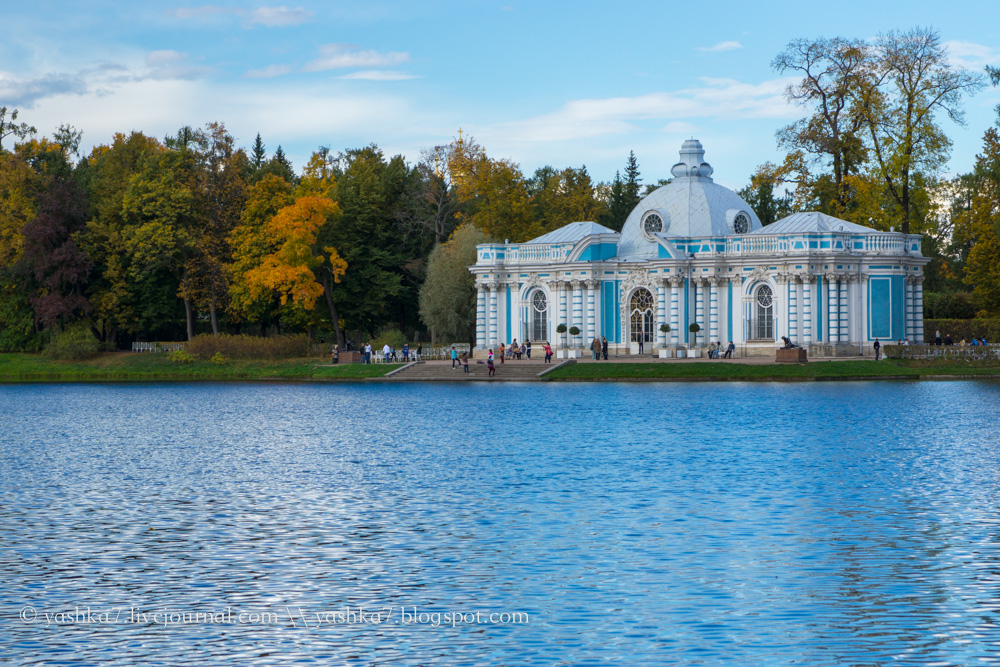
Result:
[
  {"x": 10, "y": 127},
  {"x": 448, "y": 296}
]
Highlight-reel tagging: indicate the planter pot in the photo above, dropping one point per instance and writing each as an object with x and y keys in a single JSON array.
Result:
[
  {"x": 633, "y": 348},
  {"x": 561, "y": 354},
  {"x": 666, "y": 354},
  {"x": 694, "y": 354},
  {"x": 572, "y": 354},
  {"x": 682, "y": 354}
]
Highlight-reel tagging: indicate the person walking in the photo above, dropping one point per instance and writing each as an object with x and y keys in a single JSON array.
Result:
[
  {"x": 489, "y": 357},
  {"x": 454, "y": 357},
  {"x": 490, "y": 365}
]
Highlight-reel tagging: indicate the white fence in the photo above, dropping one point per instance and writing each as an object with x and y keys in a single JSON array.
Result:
[{"x": 157, "y": 347}]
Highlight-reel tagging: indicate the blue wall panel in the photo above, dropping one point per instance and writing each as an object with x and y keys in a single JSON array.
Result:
[{"x": 880, "y": 307}]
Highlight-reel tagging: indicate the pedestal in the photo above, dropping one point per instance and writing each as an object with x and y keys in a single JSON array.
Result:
[
  {"x": 794, "y": 355},
  {"x": 666, "y": 354}
]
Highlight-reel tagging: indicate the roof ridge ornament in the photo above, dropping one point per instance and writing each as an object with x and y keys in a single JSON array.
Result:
[{"x": 692, "y": 164}]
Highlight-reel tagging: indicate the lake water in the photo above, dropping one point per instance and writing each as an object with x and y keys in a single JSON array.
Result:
[{"x": 634, "y": 524}]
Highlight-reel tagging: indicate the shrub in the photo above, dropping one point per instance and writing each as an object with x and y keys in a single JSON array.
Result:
[
  {"x": 694, "y": 327},
  {"x": 219, "y": 359},
  {"x": 75, "y": 342},
  {"x": 206, "y": 346},
  {"x": 181, "y": 357},
  {"x": 967, "y": 329},
  {"x": 665, "y": 328},
  {"x": 574, "y": 331},
  {"x": 561, "y": 329},
  {"x": 394, "y": 337}
]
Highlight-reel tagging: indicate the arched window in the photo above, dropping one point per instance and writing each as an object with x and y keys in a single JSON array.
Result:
[
  {"x": 539, "y": 327},
  {"x": 641, "y": 319},
  {"x": 741, "y": 223},
  {"x": 763, "y": 324}
]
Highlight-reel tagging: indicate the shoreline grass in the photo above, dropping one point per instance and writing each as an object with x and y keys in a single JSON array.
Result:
[
  {"x": 817, "y": 370},
  {"x": 129, "y": 367}
]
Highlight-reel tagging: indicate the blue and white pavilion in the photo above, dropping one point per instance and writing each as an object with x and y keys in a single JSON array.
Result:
[{"x": 693, "y": 251}]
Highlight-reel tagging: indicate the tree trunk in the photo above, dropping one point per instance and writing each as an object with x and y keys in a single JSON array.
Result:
[
  {"x": 190, "y": 318},
  {"x": 211, "y": 309},
  {"x": 328, "y": 293}
]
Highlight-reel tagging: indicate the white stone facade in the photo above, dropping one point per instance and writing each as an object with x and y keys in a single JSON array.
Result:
[{"x": 693, "y": 252}]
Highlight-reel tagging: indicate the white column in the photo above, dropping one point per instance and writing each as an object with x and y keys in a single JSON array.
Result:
[
  {"x": 675, "y": 289},
  {"x": 918, "y": 307},
  {"x": 713, "y": 310},
  {"x": 806, "y": 316},
  {"x": 833, "y": 312},
  {"x": 480, "y": 316},
  {"x": 863, "y": 300},
  {"x": 842, "y": 303},
  {"x": 494, "y": 341},
  {"x": 910, "y": 311},
  {"x": 699, "y": 309},
  {"x": 589, "y": 315},
  {"x": 598, "y": 309},
  {"x": 662, "y": 316},
  {"x": 794, "y": 316},
  {"x": 577, "y": 316},
  {"x": 563, "y": 312}
]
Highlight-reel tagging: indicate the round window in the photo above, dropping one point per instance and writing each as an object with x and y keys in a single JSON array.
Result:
[
  {"x": 653, "y": 224},
  {"x": 539, "y": 302},
  {"x": 764, "y": 296},
  {"x": 741, "y": 223}
]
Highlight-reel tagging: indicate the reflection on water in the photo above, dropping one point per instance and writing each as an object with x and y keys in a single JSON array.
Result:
[{"x": 743, "y": 524}]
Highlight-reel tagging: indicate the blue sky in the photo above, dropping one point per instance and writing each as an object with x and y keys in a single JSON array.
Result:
[{"x": 560, "y": 83}]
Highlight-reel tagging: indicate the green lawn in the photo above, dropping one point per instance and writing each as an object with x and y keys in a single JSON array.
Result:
[
  {"x": 733, "y": 371},
  {"x": 127, "y": 366}
]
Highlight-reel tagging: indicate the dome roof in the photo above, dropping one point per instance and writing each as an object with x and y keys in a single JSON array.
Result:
[{"x": 689, "y": 205}]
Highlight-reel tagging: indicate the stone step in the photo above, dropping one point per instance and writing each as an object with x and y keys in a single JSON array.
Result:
[{"x": 525, "y": 372}]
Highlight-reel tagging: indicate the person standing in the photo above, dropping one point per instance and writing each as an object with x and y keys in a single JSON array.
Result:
[
  {"x": 527, "y": 345},
  {"x": 548, "y": 353},
  {"x": 406, "y": 353},
  {"x": 641, "y": 338},
  {"x": 386, "y": 353},
  {"x": 465, "y": 361},
  {"x": 420, "y": 351},
  {"x": 368, "y": 352},
  {"x": 490, "y": 365},
  {"x": 604, "y": 347},
  {"x": 336, "y": 354},
  {"x": 878, "y": 349},
  {"x": 501, "y": 352}
]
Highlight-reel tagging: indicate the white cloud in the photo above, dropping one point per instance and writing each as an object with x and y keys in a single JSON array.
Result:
[
  {"x": 279, "y": 17},
  {"x": 971, "y": 55},
  {"x": 717, "y": 98},
  {"x": 166, "y": 57},
  {"x": 340, "y": 56},
  {"x": 268, "y": 72},
  {"x": 26, "y": 93},
  {"x": 378, "y": 75},
  {"x": 721, "y": 46},
  {"x": 205, "y": 13}
]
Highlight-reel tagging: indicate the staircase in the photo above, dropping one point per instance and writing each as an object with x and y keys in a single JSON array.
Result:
[{"x": 440, "y": 371}]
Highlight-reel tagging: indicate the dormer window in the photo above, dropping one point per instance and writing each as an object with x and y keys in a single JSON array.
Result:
[
  {"x": 741, "y": 223},
  {"x": 653, "y": 224}
]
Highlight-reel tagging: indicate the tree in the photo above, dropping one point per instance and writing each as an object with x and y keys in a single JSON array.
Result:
[
  {"x": 53, "y": 269},
  {"x": 448, "y": 296},
  {"x": 617, "y": 207},
  {"x": 249, "y": 243},
  {"x": 558, "y": 198},
  {"x": 10, "y": 127},
  {"x": 978, "y": 227},
  {"x": 632, "y": 183},
  {"x": 834, "y": 84},
  {"x": 257, "y": 155},
  {"x": 919, "y": 83},
  {"x": 301, "y": 269},
  {"x": 760, "y": 195}
]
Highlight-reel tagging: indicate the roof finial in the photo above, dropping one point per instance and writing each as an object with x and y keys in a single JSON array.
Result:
[{"x": 692, "y": 162}]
